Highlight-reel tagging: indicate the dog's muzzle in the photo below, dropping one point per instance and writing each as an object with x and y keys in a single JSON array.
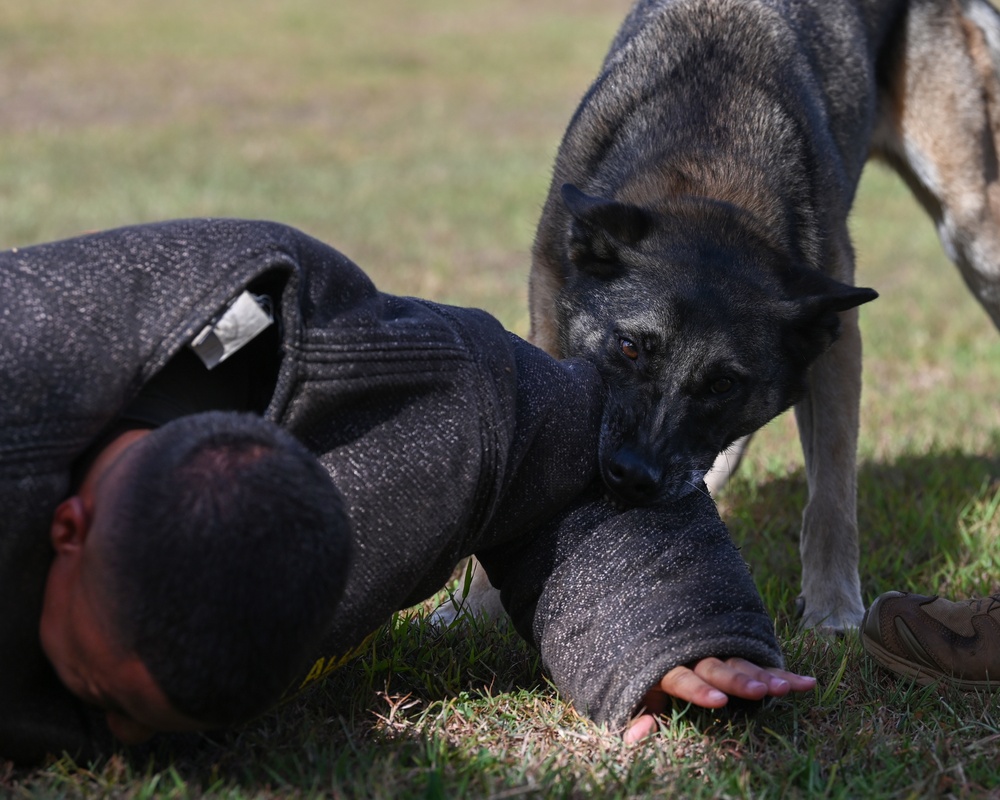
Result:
[{"x": 631, "y": 478}]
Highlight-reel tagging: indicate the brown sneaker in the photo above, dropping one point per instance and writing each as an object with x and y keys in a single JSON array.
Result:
[{"x": 930, "y": 639}]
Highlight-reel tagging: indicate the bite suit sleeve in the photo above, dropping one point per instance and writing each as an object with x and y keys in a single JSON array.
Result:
[{"x": 612, "y": 598}]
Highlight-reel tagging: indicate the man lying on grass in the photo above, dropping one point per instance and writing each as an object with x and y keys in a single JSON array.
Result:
[{"x": 226, "y": 458}]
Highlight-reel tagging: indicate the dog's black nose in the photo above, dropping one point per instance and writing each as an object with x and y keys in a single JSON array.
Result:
[{"x": 631, "y": 478}]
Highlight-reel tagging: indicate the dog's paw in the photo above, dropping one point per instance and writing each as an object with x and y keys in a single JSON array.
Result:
[
  {"x": 474, "y": 597},
  {"x": 836, "y": 622}
]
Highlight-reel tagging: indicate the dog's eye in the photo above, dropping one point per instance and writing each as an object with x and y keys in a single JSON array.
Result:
[
  {"x": 721, "y": 385},
  {"x": 629, "y": 348}
]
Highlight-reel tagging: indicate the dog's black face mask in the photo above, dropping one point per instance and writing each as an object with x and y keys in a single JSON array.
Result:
[{"x": 702, "y": 332}]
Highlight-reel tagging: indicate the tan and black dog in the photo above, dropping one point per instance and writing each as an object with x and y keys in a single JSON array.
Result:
[{"x": 694, "y": 242}]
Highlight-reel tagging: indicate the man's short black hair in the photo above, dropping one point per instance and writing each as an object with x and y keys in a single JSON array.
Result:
[{"x": 226, "y": 555}]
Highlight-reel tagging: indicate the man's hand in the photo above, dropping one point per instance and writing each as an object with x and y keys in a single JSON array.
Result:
[{"x": 709, "y": 684}]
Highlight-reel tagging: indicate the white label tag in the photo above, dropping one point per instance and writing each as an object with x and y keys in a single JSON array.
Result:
[{"x": 242, "y": 321}]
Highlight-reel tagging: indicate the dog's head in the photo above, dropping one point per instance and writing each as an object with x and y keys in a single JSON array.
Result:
[{"x": 702, "y": 331}]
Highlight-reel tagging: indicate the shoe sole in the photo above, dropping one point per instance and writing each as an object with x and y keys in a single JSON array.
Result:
[{"x": 922, "y": 675}]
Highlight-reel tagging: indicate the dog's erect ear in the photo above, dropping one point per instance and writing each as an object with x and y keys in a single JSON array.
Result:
[
  {"x": 813, "y": 307},
  {"x": 810, "y": 294},
  {"x": 600, "y": 228}
]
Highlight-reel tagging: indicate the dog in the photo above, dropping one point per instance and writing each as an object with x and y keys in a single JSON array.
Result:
[{"x": 694, "y": 240}]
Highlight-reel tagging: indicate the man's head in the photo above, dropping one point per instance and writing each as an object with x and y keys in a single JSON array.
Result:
[{"x": 195, "y": 570}]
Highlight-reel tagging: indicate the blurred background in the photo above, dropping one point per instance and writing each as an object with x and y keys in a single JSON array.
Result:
[{"x": 415, "y": 137}]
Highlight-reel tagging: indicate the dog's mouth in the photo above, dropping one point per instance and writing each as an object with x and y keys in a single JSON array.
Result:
[
  {"x": 643, "y": 470},
  {"x": 631, "y": 480}
]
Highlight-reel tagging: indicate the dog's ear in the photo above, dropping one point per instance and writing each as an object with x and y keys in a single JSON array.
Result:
[
  {"x": 813, "y": 307},
  {"x": 600, "y": 228}
]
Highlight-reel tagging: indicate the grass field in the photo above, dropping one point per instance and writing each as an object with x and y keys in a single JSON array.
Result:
[{"x": 418, "y": 138}]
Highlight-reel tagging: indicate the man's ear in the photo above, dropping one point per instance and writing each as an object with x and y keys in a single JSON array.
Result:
[
  {"x": 599, "y": 229},
  {"x": 70, "y": 525}
]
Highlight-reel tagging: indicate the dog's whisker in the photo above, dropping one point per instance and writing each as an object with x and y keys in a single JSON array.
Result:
[{"x": 700, "y": 488}]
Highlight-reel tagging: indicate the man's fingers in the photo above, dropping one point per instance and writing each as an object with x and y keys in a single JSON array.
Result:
[
  {"x": 711, "y": 680},
  {"x": 734, "y": 677},
  {"x": 779, "y": 682},
  {"x": 797, "y": 683},
  {"x": 710, "y": 684},
  {"x": 684, "y": 684},
  {"x": 640, "y": 728}
]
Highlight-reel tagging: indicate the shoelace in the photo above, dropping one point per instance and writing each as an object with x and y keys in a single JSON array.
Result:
[{"x": 994, "y": 603}]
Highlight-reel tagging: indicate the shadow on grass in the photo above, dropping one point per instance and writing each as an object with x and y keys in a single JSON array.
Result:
[
  {"x": 467, "y": 712},
  {"x": 369, "y": 724},
  {"x": 427, "y": 713},
  {"x": 921, "y": 517}
]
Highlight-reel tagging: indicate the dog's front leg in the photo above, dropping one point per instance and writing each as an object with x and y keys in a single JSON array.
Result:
[
  {"x": 475, "y": 597},
  {"x": 828, "y": 428},
  {"x": 725, "y": 465}
]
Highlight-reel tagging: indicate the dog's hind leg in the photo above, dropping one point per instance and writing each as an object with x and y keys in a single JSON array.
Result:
[
  {"x": 939, "y": 127},
  {"x": 828, "y": 429}
]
